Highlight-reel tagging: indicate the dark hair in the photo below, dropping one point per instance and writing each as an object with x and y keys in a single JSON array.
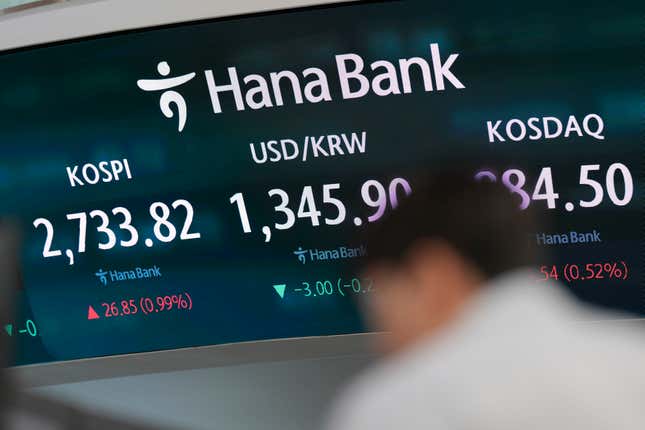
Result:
[{"x": 482, "y": 221}]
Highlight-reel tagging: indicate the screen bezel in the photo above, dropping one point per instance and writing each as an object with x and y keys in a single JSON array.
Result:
[{"x": 265, "y": 351}]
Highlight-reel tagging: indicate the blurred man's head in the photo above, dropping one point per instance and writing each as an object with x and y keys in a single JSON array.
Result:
[{"x": 429, "y": 256}]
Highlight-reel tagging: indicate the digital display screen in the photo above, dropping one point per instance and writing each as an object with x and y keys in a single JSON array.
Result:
[{"x": 204, "y": 183}]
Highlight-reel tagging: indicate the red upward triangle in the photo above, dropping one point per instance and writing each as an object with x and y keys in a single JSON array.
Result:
[{"x": 91, "y": 314}]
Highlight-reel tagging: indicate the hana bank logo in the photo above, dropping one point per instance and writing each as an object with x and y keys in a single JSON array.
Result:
[
  {"x": 301, "y": 254},
  {"x": 102, "y": 276},
  {"x": 168, "y": 97},
  {"x": 311, "y": 85}
]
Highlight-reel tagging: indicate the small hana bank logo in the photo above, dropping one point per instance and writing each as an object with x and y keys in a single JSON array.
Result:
[
  {"x": 102, "y": 276},
  {"x": 301, "y": 254},
  {"x": 168, "y": 97},
  {"x": 339, "y": 253},
  {"x": 110, "y": 276}
]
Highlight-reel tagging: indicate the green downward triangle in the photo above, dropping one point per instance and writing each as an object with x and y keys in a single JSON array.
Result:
[
  {"x": 9, "y": 329},
  {"x": 280, "y": 289}
]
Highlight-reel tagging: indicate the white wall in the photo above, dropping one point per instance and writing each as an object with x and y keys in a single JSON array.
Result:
[{"x": 71, "y": 19}]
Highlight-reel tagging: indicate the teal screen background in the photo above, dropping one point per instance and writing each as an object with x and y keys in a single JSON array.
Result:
[{"x": 77, "y": 102}]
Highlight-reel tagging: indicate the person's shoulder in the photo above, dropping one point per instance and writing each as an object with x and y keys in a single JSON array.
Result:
[{"x": 616, "y": 339}]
